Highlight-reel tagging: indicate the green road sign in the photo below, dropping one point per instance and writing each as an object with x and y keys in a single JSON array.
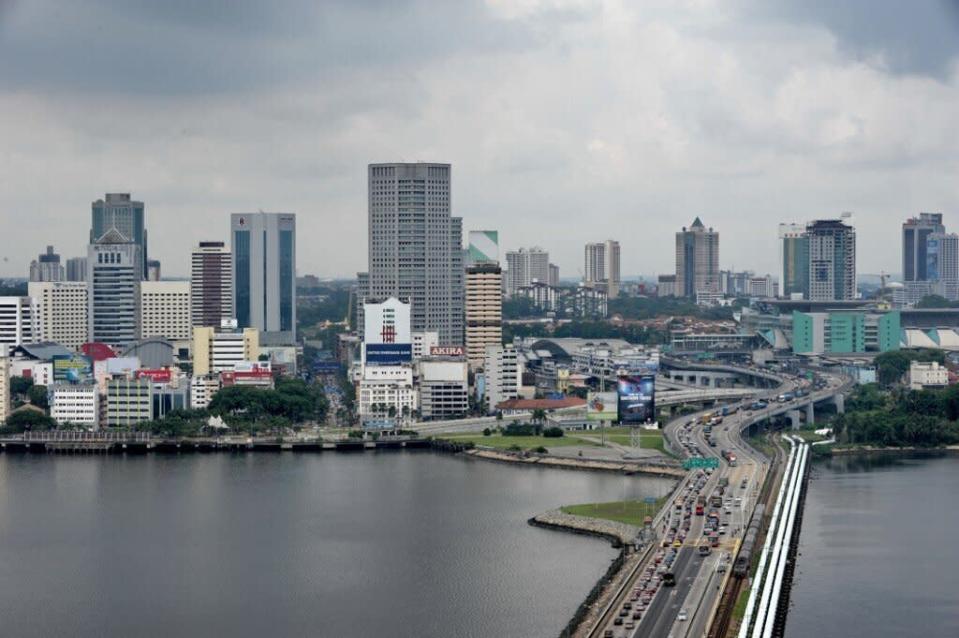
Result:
[{"x": 701, "y": 463}]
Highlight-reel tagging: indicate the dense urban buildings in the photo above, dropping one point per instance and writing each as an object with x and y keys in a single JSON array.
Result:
[
  {"x": 601, "y": 267},
  {"x": 211, "y": 284},
  {"x": 264, "y": 271},
  {"x": 47, "y": 267},
  {"x": 120, "y": 213},
  {"x": 832, "y": 260},
  {"x": 113, "y": 278},
  {"x": 697, "y": 260},
  {"x": 416, "y": 246}
]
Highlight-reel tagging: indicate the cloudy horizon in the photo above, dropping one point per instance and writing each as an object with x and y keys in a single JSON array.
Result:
[{"x": 565, "y": 121}]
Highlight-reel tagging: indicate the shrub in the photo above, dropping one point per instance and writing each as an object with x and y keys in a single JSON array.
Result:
[
  {"x": 553, "y": 433},
  {"x": 541, "y": 450},
  {"x": 487, "y": 432}
]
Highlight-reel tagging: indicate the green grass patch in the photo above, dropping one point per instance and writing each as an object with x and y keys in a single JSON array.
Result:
[
  {"x": 500, "y": 442},
  {"x": 762, "y": 444},
  {"x": 809, "y": 436},
  {"x": 630, "y": 512},
  {"x": 739, "y": 610}
]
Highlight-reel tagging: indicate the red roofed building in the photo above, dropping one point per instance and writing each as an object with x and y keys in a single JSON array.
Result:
[
  {"x": 98, "y": 351},
  {"x": 515, "y": 406}
]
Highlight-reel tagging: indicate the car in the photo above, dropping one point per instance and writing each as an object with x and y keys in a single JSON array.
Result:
[
  {"x": 617, "y": 621},
  {"x": 677, "y": 543},
  {"x": 637, "y": 615},
  {"x": 630, "y": 624},
  {"x": 608, "y": 633},
  {"x": 683, "y": 616}
]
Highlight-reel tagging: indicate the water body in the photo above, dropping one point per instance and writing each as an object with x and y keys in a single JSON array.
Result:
[
  {"x": 879, "y": 555},
  {"x": 385, "y": 544}
]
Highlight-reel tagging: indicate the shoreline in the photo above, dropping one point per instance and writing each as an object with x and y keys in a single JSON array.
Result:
[
  {"x": 867, "y": 450},
  {"x": 565, "y": 463}
]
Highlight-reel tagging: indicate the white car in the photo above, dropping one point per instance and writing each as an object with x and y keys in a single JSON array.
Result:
[{"x": 682, "y": 616}]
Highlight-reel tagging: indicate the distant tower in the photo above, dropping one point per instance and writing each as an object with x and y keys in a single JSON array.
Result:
[
  {"x": 47, "y": 267},
  {"x": 119, "y": 212},
  {"x": 211, "y": 284},
  {"x": 697, "y": 260},
  {"x": 832, "y": 260}
]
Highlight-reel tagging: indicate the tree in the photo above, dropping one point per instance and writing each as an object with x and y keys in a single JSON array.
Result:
[
  {"x": 29, "y": 420},
  {"x": 19, "y": 386},
  {"x": 890, "y": 367},
  {"x": 38, "y": 396},
  {"x": 539, "y": 415}
]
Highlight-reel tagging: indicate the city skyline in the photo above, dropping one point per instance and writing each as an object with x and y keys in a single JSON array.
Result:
[{"x": 712, "y": 129}]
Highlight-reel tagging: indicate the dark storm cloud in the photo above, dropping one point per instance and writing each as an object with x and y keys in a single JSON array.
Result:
[
  {"x": 918, "y": 36},
  {"x": 199, "y": 47}
]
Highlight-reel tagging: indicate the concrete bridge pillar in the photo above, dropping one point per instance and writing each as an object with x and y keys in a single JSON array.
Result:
[
  {"x": 793, "y": 419},
  {"x": 810, "y": 414},
  {"x": 840, "y": 402}
]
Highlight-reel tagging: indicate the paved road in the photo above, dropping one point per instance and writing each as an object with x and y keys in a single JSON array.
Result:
[{"x": 669, "y": 600}]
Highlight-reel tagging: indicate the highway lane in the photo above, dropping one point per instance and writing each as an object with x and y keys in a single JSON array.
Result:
[{"x": 669, "y": 600}]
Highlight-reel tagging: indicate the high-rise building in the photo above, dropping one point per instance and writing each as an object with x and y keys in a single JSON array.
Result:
[
  {"x": 484, "y": 310},
  {"x": 502, "y": 374},
  {"x": 216, "y": 350},
  {"x": 553, "y": 277},
  {"x": 47, "y": 267},
  {"x": 114, "y": 273},
  {"x": 483, "y": 247},
  {"x": 523, "y": 267},
  {"x": 915, "y": 234},
  {"x": 601, "y": 267},
  {"x": 18, "y": 323},
  {"x": 942, "y": 264},
  {"x": 165, "y": 310},
  {"x": 120, "y": 213},
  {"x": 416, "y": 246},
  {"x": 793, "y": 261},
  {"x": 697, "y": 260},
  {"x": 264, "y": 271},
  {"x": 62, "y": 309},
  {"x": 77, "y": 269},
  {"x": 832, "y": 260},
  {"x": 211, "y": 284}
]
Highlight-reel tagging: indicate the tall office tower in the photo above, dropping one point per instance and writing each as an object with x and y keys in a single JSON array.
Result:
[
  {"x": 601, "y": 267},
  {"x": 416, "y": 246},
  {"x": 165, "y": 310},
  {"x": 18, "y": 323},
  {"x": 124, "y": 215},
  {"x": 153, "y": 270},
  {"x": 77, "y": 269},
  {"x": 832, "y": 260},
  {"x": 697, "y": 260},
  {"x": 793, "y": 261},
  {"x": 62, "y": 308},
  {"x": 114, "y": 273},
  {"x": 942, "y": 264},
  {"x": 211, "y": 284},
  {"x": 47, "y": 267},
  {"x": 264, "y": 267},
  {"x": 523, "y": 267},
  {"x": 915, "y": 234},
  {"x": 484, "y": 310}
]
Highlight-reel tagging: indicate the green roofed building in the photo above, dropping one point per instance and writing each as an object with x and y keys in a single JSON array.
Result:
[{"x": 845, "y": 332}]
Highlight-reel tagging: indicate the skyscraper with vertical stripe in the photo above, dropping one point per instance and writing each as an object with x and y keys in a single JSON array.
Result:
[{"x": 264, "y": 273}]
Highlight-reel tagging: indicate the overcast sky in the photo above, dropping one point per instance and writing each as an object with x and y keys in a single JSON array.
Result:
[{"x": 565, "y": 121}]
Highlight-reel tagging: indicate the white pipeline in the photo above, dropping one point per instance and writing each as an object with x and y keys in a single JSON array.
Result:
[
  {"x": 757, "y": 581},
  {"x": 776, "y": 555},
  {"x": 778, "y": 580}
]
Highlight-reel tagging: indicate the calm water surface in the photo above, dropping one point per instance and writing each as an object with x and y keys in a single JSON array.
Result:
[
  {"x": 390, "y": 544},
  {"x": 879, "y": 551}
]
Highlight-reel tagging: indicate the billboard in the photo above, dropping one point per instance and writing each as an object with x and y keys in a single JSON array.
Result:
[
  {"x": 447, "y": 351},
  {"x": 388, "y": 353},
  {"x": 601, "y": 406},
  {"x": 637, "y": 398},
  {"x": 72, "y": 368},
  {"x": 387, "y": 322}
]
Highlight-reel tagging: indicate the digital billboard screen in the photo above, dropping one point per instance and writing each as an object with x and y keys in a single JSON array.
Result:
[
  {"x": 74, "y": 368},
  {"x": 637, "y": 398},
  {"x": 389, "y": 353},
  {"x": 601, "y": 406}
]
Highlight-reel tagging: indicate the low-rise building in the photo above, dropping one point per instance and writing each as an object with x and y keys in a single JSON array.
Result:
[
  {"x": 217, "y": 350},
  {"x": 519, "y": 406},
  {"x": 443, "y": 388},
  {"x": 927, "y": 375},
  {"x": 128, "y": 402},
  {"x": 387, "y": 391},
  {"x": 77, "y": 404},
  {"x": 4, "y": 387},
  {"x": 202, "y": 389}
]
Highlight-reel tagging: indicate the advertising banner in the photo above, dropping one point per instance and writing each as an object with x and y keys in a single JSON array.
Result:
[
  {"x": 75, "y": 368},
  {"x": 637, "y": 398},
  {"x": 601, "y": 406},
  {"x": 389, "y": 353}
]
